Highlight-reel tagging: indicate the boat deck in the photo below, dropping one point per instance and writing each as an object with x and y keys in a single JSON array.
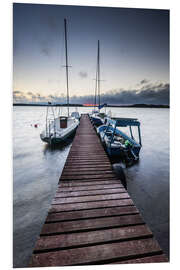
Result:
[{"x": 92, "y": 219}]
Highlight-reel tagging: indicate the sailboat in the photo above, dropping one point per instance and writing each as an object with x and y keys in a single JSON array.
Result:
[
  {"x": 59, "y": 128},
  {"x": 97, "y": 117}
]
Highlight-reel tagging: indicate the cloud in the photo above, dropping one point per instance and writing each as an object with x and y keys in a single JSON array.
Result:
[
  {"x": 83, "y": 74},
  {"x": 45, "y": 51},
  {"x": 30, "y": 93},
  {"x": 19, "y": 97},
  {"x": 17, "y": 92},
  {"x": 144, "y": 81},
  {"x": 152, "y": 93},
  {"x": 52, "y": 23}
]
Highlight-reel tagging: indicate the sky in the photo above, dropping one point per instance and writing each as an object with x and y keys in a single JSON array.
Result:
[{"x": 134, "y": 54}]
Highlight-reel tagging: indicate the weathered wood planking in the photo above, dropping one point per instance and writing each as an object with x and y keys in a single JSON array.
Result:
[
  {"x": 95, "y": 192},
  {"x": 91, "y": 213},
  {"x": 92, "y": 219},
  {"x": 97, "y": 254},
  {"x": 92, "y": 237}
]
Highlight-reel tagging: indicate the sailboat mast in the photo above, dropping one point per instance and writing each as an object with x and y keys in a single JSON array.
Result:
[
  {"x": 98, "y": 71},
  {"x": 67, "y": 74},
  {"x": 95, "y": 90}
]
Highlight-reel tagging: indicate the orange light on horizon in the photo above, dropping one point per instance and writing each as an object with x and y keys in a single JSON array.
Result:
[{"x": 90, "y": 105}]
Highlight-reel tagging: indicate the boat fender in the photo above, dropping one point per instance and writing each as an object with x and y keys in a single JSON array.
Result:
[{"x": 128, "y": 143}]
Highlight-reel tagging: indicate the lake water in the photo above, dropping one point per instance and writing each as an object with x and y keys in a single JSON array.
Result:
[{"x": 37, "y": 168}]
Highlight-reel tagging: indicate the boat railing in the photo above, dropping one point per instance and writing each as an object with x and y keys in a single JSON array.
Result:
[
  {"x": 50, "y": 120},
  {"x": 114, "y": 123},
  {"x": 50, "y": 126}
]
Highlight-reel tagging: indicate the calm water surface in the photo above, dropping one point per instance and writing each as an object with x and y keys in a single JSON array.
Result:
[{"x": 37, "y": 169}]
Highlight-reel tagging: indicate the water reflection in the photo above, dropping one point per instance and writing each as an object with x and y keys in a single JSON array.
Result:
[
  {"x": 63, "y": 146},
  {"x": 59, "y": 147}
]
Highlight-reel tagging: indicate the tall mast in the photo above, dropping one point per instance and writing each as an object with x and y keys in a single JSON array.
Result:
[
  {"x": 98, "y": 71},
  {"x": 67, "y": 75},
  {"x": 95, "y": 90}
]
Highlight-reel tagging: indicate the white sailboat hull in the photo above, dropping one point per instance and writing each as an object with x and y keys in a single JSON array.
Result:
[{"x": 54, "y": 134}]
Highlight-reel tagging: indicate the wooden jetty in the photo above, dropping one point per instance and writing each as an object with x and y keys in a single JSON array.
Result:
[{"x": 92, "y": 219}]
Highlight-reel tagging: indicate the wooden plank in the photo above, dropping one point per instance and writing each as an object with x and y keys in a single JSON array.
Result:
[
  {"x": 93, "y": 161},
  {"x": 101, "y": 158},
  {"x": 93, "y": 151},
  {"x": 89, "y": 192},
  {"x": 90, "y": 160},
  {"x": 79, "y": 144},
  {"x": 93, "y": 156},
  {"x": 88, "y": 186},
  {"x": 89, "y": 156},
  {"x": 148, "y": 259},
  {"x": 91, "y": 237},
  {"x": 87, "y": 163},
  {"x": 90, "y": 205},
  {"x": 85, "y": 167},
  {"x": 89, "y": 224},
  {"x": 83, "y": 182},
  {"x": 91, "y": 213},
  {"x": 85, "y": 172},
  {"x": 99, "y": 170},
  {"x": 96, "y": 254},
  {"x": 79, "y": 149},
  {"x": 102, "y": 197},
  {"x": 83, "y": 177}
]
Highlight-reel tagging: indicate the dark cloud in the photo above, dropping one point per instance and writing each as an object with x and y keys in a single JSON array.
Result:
[
  {"x": 144, "y": 81},
  {"x": 83, "y": 74},
  {"x": 30, "y": 94},
  {"x": 150, "y": 94},
  {"x": 45, "y": 51},
  {"x": 19, "y": 97},
  {"x": 17, "y": 92},
  {"x": 52, "y": 23}
]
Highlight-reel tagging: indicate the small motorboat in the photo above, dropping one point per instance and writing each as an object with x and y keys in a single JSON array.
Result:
[{"x": 117, "y": 143}]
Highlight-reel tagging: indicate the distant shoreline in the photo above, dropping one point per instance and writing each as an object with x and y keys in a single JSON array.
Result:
[{"x": 110, "y": 105}]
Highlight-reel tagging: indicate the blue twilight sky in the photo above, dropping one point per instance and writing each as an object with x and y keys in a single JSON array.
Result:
[{"x": 134, "y": 53}]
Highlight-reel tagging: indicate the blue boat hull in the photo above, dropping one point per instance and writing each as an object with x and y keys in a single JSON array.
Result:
[
  {"x": 114, "y": 150},
  {"x": 120, "y": 152}
]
